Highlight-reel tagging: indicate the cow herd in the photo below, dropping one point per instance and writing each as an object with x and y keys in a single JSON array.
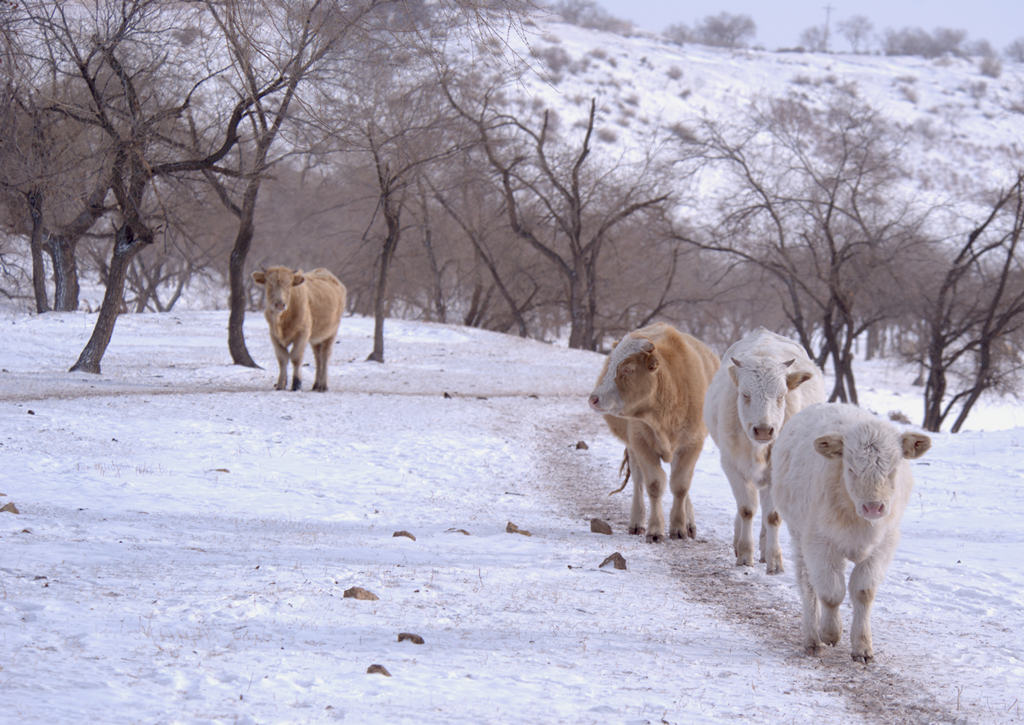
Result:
[{"x": 836, "y": 474}]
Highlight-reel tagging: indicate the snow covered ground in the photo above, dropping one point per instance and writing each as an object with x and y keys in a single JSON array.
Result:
[{"x": 186, "y": 534}]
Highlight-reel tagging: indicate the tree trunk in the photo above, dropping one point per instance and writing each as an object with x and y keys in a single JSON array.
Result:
[
  {"x": 65, "y": 273},
  {"x": 437, "y": 277},
  {"x": 934, "y": 387},
  {"x": 581, "y": 330},
  {"x": 391, "y": 216},
  {"x": 35, "y": 208},
  {"x": 125, "y": 249},
  {"x": 236, "y": 278}
]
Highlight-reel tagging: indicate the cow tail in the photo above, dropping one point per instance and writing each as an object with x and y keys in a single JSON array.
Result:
[{"x": 623, "y": 467}]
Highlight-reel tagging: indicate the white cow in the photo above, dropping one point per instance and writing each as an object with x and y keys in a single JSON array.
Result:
[
  {"x": 764, "y": 380},
  {"x": 841, "y": 481}
]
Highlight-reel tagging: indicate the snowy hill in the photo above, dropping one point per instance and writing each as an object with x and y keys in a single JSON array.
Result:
[
  {"x": 186, "y": 536},
  {"x": 961, "y": 121}
]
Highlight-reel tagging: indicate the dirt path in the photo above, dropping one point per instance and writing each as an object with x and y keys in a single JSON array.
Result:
[{"x": 707, "y": 577}]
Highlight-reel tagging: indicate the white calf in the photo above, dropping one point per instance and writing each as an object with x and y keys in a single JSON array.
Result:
[
  {"x": 841, "y": 481},
  {"x": 764, "y": 380}
]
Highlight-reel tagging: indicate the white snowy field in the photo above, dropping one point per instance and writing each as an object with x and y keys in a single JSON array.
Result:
[{"x": 186, "y": 534}]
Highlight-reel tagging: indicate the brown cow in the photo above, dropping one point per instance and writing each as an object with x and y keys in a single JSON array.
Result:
[
  {"x": 651, "y": 392},
  {"x": 302, "y": 308}
]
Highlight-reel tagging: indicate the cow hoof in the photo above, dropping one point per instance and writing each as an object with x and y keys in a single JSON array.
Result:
[
  {"x": 862, "y": 657},
  {"x": 812, "y": 648},
  {"x": 677, "y": 535},
  {"x": 745, "y": 559},
  {"x": 777, "y": 569},
  {"x": 654, "y": 538},
  {"x": 319, "y": 388},
  {"x": 691, "y": 531},
  {"x": 637, "y": 530}
]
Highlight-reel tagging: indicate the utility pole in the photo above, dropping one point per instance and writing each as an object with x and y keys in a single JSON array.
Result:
[{"x": 828, "y": 16}]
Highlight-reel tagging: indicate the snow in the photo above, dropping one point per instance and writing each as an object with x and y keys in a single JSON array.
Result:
[
  {"x": 963, "y": 125},
  {"x": 186, "y": 535}
]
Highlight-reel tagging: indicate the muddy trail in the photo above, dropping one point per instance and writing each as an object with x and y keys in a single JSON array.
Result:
[{"x": 707, "y": 576}]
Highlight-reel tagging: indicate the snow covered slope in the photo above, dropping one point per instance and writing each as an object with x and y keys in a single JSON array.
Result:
[
  {"x": 965, "y": 126},
  {"x": 186, "y": 536}
]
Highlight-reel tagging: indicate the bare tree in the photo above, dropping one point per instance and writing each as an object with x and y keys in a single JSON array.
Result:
[
  {"x": 814, "y": 39},
  {"x": 1015, "y": 50},
  {"x": 477, "y": 209},
  {"x": 132, "y": 80},
  {"x": 810, "y": 199},
  {"x": 857, "y": 30},
  {"x": 974, "y": 312},
  {"x": 53, "y": 176},
  {"x": 725, "y": 30},
  {"x": 558, "y": 200}
]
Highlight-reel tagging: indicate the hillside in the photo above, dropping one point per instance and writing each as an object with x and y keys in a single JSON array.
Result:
[
  {"x": 186, "y": 535},
  {"x": 962, "y": 123}
]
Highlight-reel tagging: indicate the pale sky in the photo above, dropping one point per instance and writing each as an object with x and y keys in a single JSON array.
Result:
[{"x": 780, "y": 23}]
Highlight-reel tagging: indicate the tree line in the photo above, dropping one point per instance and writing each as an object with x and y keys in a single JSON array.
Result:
[{"x": 156, "y": 145}]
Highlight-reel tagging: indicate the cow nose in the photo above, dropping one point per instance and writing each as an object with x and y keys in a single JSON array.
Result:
[
  {"x": 279, "y": 306},
  {"x": 763, "y": 432},
  {"x": 594, "y": 402},
  {"x": 874, "y": 509}
]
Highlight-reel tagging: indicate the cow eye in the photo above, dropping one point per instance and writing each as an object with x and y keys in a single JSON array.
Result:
[{"x": 746, "y": 398}]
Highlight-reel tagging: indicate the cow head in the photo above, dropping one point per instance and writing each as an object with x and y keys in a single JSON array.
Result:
[
  {"x": 871, "y": 455},
  {"x": 278, "y": 282},
  {"x": 629, "y": 377},
  {"x": 761, "y": 388}
]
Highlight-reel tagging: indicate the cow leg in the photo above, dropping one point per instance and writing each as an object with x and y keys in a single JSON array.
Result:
[
  {"x": 864, "y": 581},
  {"x": 652, "y": 481},
  {"x": 771, "y": 554},
  {"x": 825, "y": 570},
  {"x": 809, "y": 600},
  {"x": 281, "y": 353},
  {"x": 681, "y": 521},
  {"x": 321, "y": 354},
  {"x": 746, "y": 506},
  {"x": 298, "y": 350},
  {"x": 637, "y": 509}
]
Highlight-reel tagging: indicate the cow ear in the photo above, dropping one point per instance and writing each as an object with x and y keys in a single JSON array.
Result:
[
  {"x": 830, "y": 446},
  {"x": 915, "y": 445},
  {"x": 297, "y": 279},
  {"x": 795, "y": 380},
  {"x": 732, "y": 371},
  {"x": 259, "y": 277},
  {"x": 652, "y": 361}
]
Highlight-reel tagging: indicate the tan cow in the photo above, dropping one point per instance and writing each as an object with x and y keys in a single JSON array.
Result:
[
  {"x": 302, "y": 308},
  {"x": 651, "y": 392}
]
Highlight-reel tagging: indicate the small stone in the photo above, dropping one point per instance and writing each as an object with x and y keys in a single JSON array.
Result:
[
  {"x": 582, "y": 446},
  {"x": 458, "y": 531},
  {"x": 615, "y": 560},
  {"x": 410, "y": 637},
  {"x": 360, "y": 593},
  {"x": 378, "y": 670},
  {"x": 9, "y": 508},
  {"x": 406, "y": 534},
  {"x": 598, "y": 526},
  {"x": 511, "y": 528}
]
